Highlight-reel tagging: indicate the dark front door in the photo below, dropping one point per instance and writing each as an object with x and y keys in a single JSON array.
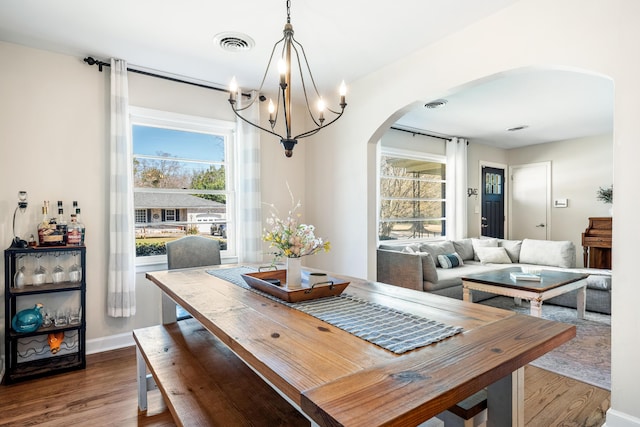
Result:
[{"x": 492, "y": 221}]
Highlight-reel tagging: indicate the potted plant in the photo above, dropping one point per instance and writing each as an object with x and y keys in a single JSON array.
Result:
[{"x": 605, "y": 194}]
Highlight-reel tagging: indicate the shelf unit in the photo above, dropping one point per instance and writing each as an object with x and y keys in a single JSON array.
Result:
[{"x": 18, "y": 366}]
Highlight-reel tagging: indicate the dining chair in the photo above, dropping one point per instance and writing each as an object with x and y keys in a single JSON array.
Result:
[{"x": 191, "y": 251}]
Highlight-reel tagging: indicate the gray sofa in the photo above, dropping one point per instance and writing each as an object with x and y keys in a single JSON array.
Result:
[{"x": 438, "y": 267}]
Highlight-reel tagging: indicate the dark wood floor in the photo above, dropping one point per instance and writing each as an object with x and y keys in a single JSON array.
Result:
[{"x": 105, "y": 394}]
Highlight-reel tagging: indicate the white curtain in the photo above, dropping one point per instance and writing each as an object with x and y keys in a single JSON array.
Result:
[
  {"x": 249, "y": 198},
  {"x": 456, "y": 193},
  {"x": 121, "y": 297}
]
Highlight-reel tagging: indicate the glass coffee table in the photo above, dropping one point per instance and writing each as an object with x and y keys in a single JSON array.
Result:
[{"x": 552, "y": 283}]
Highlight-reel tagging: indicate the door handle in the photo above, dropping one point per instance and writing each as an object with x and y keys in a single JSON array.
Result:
[{"x": 540, "y": 226}]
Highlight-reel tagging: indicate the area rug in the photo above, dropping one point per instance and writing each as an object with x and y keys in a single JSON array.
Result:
[{"x": 585, "y": 358}]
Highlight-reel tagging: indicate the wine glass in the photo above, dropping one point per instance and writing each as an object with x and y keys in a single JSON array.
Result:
[
  {"x": 58, "y": 270},
  {"x": 19, "y": 278},
  {"x": 40, "y": 273},
  {"x": 75, "y": 271}
]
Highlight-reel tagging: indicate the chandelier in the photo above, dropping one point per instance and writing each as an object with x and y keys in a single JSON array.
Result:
[{"x": 282, "y": 106}]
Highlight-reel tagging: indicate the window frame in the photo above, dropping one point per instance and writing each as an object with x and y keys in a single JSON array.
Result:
[
  {"x": 173, "y": 215},
  {"x": 409, "y": 155},
  {"x": 190, "y": 123}
]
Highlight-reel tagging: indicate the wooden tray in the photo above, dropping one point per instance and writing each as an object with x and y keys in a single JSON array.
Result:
[{"x": 320, "y": 290}]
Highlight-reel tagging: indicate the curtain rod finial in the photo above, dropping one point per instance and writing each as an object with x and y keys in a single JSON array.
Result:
[{"x": 91, "y": 61}]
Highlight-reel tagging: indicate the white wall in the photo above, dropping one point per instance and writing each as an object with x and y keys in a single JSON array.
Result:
[
  {"x": 578, "y": 168},
  {"x": 593, "y": 35},
  {"x": 414, "y": 142}
]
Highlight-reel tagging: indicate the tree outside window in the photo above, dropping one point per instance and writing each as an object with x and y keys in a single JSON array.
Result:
[{"x": 412, "y": 197}]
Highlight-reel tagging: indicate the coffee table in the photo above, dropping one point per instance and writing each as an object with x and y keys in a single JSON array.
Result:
[{"x": 552, "y": 284}]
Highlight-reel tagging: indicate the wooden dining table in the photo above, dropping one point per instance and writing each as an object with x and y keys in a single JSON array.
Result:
[{"x": 338, "y": 379}]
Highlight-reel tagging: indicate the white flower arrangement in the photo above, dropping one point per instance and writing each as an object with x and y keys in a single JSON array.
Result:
[{"x": 291, "y": 238}]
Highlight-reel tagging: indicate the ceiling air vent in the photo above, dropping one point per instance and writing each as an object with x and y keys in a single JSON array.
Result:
[
  {"x": 517, "y": 128},
  {"x": 234, "y": 42},
  {"x": 436, "y": 104}
]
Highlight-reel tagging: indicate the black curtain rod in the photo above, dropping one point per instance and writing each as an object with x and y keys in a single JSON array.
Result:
[
  {"x": 420, "y": 133},
  {"x": 92, "y": 61}
]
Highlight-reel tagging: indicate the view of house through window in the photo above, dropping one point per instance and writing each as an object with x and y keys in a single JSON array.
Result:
[
  {"x": 412, "y": 196},
  {"x": 182, "y": 180}
]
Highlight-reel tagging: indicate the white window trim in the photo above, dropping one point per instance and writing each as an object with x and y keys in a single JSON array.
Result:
[
  {"x": 184, "y": 122},
  {"x": 419, "y": 155}
]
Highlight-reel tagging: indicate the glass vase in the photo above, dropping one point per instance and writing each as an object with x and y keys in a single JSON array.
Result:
[{"x": 294, "y": 273}]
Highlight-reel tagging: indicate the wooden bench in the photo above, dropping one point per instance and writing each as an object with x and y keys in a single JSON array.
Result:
[{"x": 203, "y": 382}]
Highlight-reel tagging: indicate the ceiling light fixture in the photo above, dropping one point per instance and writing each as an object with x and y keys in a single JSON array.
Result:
[{"x": 285, "y": 64}]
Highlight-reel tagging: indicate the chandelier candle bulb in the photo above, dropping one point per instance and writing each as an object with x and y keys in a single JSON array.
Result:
[
  {"x": 272, "y": 110},
  {"x": 282, "y": 70},
  {"x": 343, "y": 94},
  {"x": 233, "y": 89},
  {"x": 321, "y": 109}
]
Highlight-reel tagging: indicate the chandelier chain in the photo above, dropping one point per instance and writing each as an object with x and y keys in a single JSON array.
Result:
[{"x": 288, "y": 11}]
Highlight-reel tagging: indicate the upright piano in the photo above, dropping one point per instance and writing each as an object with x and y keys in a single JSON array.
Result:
[{"x": 596, "y": 243}]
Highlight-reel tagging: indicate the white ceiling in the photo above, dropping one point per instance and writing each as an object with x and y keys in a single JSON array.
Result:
[
  {"x": 345, "y": 40},
  {"x": 554, "y": 105}
]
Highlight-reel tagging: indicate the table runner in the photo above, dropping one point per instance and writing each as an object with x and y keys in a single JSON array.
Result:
[{"x": 389, "y": 328}]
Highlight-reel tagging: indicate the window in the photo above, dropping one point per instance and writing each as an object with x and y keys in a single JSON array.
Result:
[
  {"x": 411, "y": 195},
  {"x": 170, "y": 215},
  {"x": 141, "y": 215},
  {"x": 183, "y": 179}
]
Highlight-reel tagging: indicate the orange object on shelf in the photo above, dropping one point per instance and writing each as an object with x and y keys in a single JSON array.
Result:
[{"x": 55, "y": 339}]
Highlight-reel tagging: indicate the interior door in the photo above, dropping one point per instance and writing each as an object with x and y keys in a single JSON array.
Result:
[
  {"x": 530, "y": 193},
  {"x": 493, "y": 190}
]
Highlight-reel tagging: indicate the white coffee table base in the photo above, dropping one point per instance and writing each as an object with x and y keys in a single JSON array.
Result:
[{"x": 535, "y": 298}]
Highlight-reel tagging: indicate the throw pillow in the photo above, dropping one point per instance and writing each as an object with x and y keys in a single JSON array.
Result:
[
  {"x": 482, "y": 243},
  {"x": 554, "y": 253},
  {"x": 493, "y": 255},
  {"x": 450, "y": 260},
  {"x": 411, "y": 249},
  {"x": 438, "y": 248},
  {"x": 464, "y": 248},
  {"x": 512, "y": 247},
  {"x": 429, "y": 272}
]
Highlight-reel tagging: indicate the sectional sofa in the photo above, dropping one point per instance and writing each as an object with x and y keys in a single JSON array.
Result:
[{"x": 438, "y": 267}]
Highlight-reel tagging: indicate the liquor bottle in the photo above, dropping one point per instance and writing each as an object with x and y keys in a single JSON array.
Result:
[
  {"x": 79, "y": 222},
  {"x": 74, "y": 232},
  {"x": 61, "y": 223},
  {"x": 48, "y": 235},
  {"x": 43, "y": 226}
]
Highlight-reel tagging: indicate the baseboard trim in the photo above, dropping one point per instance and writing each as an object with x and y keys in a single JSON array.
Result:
[
  {"x": 620, "y": 419},
  {"x": 112, "y": 342}
]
